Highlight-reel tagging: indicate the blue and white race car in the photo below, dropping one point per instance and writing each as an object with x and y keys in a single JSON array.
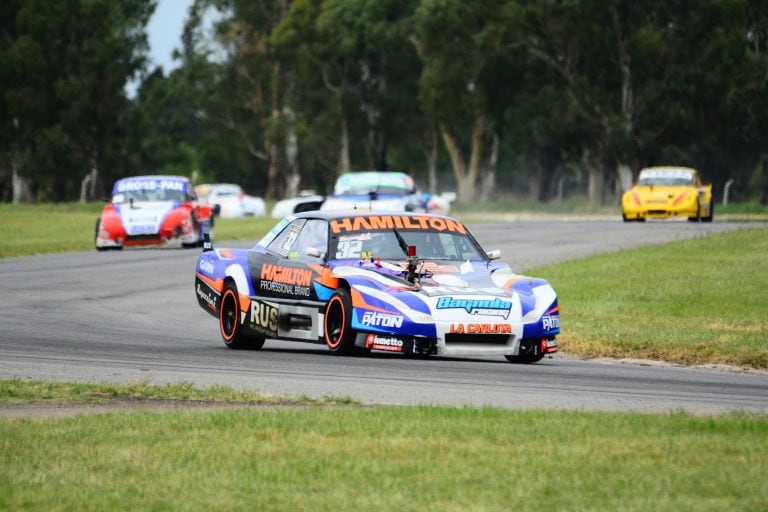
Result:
[
  {"x": 375, "y": 190},
  {"x": 414, "y": 283}
]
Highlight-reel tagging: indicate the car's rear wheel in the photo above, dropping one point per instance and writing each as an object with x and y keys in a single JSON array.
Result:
[
  {"x": 229, "y": 322},
  {"x": 339, "y": 335},
  {"x": 711, "y": 214},
  {"x": 530, "y": 352}
]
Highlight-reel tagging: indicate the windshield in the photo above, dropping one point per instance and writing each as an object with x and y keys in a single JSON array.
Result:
[
  {"x": 388, "y": 245},
  {"x": 149, "y": 189},
  {"x": 362, "y": 183},
  {"x": 666, "y": 178}
]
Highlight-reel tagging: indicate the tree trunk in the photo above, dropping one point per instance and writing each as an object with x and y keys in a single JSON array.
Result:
[
  {"x": 293, "y": 177},
  {"x": 89, "y": 183},
  {"x": 432, "y": 162},
  {"x": 492, "y": 161},
  {"x": 594, "y": 166},
  {"x": 19, "y": 184},
  {"x": 624, "y": 175},
  {"x": 344, "y": 163},
  {"x": 465, "y": 186}
]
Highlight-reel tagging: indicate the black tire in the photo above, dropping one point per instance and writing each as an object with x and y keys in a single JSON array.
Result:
[
  {"x": 338, "y": 332},
  {"x": 530, "y": 352},
  {"x": 96, "y": 235},
  {"x": 698, "y": 217},
  {"x": 229, "y": 322}
]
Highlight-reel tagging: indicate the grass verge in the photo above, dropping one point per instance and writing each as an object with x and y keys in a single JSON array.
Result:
[
  {"x": 384, "y": 458},
  {"x": 49, "y": 228},
  {"x": 23, "y": 392},
  {"x": 692, "y": 302}
]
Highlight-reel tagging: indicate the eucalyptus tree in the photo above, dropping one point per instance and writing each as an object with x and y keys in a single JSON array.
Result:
[
  {"x": 65, "y": 66},
  {"x": 464, "y": 85}
]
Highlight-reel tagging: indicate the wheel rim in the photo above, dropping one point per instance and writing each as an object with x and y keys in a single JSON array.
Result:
[
  {"x": 228, "y": 315},
  {"x": 334, "y": 322}
]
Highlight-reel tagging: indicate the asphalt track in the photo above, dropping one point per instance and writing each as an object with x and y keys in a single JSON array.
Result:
[{"x": 132, "y": 316}]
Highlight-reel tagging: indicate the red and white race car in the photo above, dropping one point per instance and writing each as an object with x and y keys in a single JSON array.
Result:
[{"x": 152, "y": 211}]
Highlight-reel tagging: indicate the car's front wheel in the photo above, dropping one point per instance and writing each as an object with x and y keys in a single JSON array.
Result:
[
  {"x": 339, "y": 335},
  {"x": 530, "y": 352},
  {"x": 229, "y": 322}
]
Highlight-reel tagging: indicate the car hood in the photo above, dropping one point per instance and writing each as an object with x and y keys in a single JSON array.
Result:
[
  {"x": 455, "y": 290},
  {"x": 144, "y": 217}
]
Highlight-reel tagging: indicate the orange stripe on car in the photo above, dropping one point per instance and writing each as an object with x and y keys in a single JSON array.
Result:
[
  {"x": 636, "y": 197},
  {"x": 245, "y": 303},
  {"x": 680, "y": 198},
  {"x": 226, "y": 253},
  {"x": 325, "y": 276},
  {"x": 217, "y": 284},
  {"x": 358, "y": 301}
]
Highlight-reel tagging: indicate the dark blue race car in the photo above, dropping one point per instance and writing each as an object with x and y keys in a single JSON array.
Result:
[{"x": 413, "y": 283}]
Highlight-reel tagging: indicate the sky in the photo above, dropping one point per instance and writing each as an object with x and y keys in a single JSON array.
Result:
[{"x": 164, "y": 31}]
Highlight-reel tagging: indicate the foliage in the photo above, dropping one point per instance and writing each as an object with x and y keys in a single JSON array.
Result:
[
  {"x": 487, "y": 97},
  {"x": 65, "y": 65}
]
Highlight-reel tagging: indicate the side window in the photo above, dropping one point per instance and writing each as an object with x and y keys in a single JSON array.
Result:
[
  {"x": 314, "y": 235},
  {"x": 284, "y": 243}
]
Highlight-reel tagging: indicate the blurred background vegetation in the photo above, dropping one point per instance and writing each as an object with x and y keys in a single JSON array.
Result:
[{"x": 538, "y": 99}]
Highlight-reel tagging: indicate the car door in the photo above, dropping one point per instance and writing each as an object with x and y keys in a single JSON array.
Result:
[{"x": 288, "y": 274}]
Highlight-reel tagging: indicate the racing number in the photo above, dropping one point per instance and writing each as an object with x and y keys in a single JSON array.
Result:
[{"x": 349, "y": 249}]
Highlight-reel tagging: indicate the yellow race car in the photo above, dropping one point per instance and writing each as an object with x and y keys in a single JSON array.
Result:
[{"x": 662, "y": 192}]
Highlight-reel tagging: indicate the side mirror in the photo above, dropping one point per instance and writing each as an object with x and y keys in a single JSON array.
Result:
[{"x": 494, "y": 254}]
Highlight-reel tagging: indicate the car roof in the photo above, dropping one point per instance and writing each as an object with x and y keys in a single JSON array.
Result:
[{"x": 339, "y": 214}]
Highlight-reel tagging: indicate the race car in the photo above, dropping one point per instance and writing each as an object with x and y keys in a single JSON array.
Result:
[
  {"x": 663, "y": 192},
  {"x": 375, "y": 190},
  {"x": 232, "y": 201},
  {"x": 410, "y": 283},
  {"x": 368, "y": 190},
  {"x": 152, "y": 211}
]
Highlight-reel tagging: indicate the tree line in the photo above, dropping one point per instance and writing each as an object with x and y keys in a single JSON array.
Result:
[{"x": 485, "y": 97}]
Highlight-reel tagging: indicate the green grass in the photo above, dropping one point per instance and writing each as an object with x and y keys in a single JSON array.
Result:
[
  {"x": 694, "y": 301},
  {"x": 36, "y": 229},
  {"x": 48, "y": 228},
  {"x": 384, "y": 458},
  {"x": 21, "y": 392}
]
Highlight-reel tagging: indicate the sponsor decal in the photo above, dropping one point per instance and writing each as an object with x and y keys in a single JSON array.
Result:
[
  {"x": 149, "y": 184},
  {"x": 286, "y": 280},
  {"x": 384, "y": 343},
  {"x": 481, "y": 307},
  {"x": 206, "y": 267},
  {"x": 550, "y": 322},
  {"x": 141, "y": 229},
  {"x": 263, "y": 318},
  {"x": 286, "y": 275},
  {"x": 480, "y": 329},
  {"x": 207, "y": 297},
  {"x": 376, "y": 319},
  {"x": 389, "y": 222}
]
